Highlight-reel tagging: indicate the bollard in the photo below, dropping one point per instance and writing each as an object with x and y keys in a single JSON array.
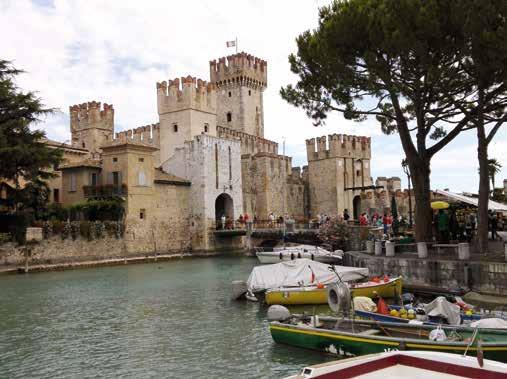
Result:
[
  {"x": 370, "y": 246},
  {"x": 422, "y": 250},
  {"x": 378, "y": 248},
  {"x": 464, "y": 251},
  {"x": 389, "y": 249}
]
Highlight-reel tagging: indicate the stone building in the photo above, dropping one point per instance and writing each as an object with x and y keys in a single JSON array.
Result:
[{"x": 207, "y": 157}]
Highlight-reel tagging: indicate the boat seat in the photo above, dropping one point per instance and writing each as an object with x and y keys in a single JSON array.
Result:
[{"x": 369, "y": 332}]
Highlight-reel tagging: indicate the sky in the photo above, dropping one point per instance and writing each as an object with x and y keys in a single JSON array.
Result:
[{"x": 115, "y": 51}]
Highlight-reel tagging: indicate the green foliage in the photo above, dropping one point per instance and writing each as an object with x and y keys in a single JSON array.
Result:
[
  {"x": 494, "y": 167},
  {"x": 5, "y": 237},
  {"x": 74, "y": 229},
  {"x": 85, "y": 230},
  {"x": 47, "y": 229},
  {"x": 18, "y": 227},
  {"x": 335, "y": 233},
  {"x": 99, "y": 229},
  {"x": 66, "y": 230},
  {"x": 414, "y": 65},
  {"x": 22, "y": 151}
]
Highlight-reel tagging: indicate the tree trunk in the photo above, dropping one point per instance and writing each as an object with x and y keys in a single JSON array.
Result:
[
  {"x": 423, "y": 217},
  {"x": 482, "y": 213}
]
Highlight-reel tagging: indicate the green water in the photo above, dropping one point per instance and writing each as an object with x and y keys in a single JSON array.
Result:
[{"x": 162, "y": 320}]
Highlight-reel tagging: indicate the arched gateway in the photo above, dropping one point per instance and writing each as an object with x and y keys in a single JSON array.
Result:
[{"x": 224, "y": 206}]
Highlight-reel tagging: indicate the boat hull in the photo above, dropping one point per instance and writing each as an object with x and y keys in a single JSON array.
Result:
[
  {"x": 301, "y": 296},
  {"x": 277, "y": 257},
  {"x": 351, "y": 345}
]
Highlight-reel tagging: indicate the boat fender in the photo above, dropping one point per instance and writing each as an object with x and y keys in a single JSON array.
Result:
[
  {"x": 280, "y": 256},
  {"x": 291, "y": 256},
  {"x": 338, "y": 297},
  {"x": 278, "y": 313},
  {"x": 313, "y": 257},
  {"x": 299, "y": 255},
  {"x": 437, "y": 334}
]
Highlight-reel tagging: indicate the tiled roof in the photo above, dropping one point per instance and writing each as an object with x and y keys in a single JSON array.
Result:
[{"x": 166, "y": 178}]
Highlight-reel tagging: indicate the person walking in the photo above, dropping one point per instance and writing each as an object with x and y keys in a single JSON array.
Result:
[
  {"x": 222, "y": 219},
  {"x": 385, "y": 223},
  {"x": 493, "y": 225},
  {"x": 363, "y": 221},
  {"x": 346, "y": 215}
]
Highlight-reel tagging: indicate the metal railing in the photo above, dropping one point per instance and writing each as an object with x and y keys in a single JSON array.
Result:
[{"x": 107, "y": 190}]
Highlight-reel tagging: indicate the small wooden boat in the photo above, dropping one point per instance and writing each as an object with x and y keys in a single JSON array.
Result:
[
  {"x": 315, "y": 295},
  {"x": 406, "y": 364},
  {"x": 290, "y": 253},
  {"x": 465, "y": 318},
  {"x": 350, "y": 338}
]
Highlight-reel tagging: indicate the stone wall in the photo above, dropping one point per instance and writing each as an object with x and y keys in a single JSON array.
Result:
[
  {"x": 56, "y": 250},
  {"x": 486, "y": 277}
]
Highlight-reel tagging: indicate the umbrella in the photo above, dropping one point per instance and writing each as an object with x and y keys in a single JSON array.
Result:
[{"x": 439, "y": 205}]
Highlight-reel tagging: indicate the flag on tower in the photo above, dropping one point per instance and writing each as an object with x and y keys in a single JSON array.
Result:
[{"x": 231, "y": 43}]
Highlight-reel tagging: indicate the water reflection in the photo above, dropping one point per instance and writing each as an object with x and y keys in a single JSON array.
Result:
[{"x": 171, "y": 319}]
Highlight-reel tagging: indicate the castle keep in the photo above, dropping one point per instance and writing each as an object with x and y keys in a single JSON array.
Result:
[{"x": 207, "y": 158}]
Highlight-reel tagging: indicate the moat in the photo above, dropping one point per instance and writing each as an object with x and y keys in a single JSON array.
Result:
[{"x": 161, "y": 320}]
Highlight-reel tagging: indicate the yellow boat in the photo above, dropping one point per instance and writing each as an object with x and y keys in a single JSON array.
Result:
[{"x": 315, "y": 295}]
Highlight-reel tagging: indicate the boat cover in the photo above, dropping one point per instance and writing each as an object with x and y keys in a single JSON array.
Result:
[
  {"x": 496, "y": 323},
  {"x": 441, "y": 307},
  {"x": 297, "y": 272}
]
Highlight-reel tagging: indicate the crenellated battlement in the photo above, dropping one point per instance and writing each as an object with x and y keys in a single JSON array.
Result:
[
  {"x": 91, "y": 115},
  {"x": 186, "y": 93},
  {"x": 148, "y": 134},
  {"x": 250, "y": 144},
  {"x": 241, "y": 68},
  {"x": 338, "y": 146}
]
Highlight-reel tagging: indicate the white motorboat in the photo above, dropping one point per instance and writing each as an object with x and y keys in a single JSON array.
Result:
[
  {"x": 406, "y": 364},
  {"x": 290, "y": 253}
]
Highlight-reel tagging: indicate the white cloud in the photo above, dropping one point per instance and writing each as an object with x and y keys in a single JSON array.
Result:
[{"x": 115, "y": 52}]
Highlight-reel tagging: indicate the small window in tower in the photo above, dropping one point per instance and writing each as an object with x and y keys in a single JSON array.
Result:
[
  {"x": 175, "y": 128},
  {"x": 229, "y": 116},
  {"x": 115, "y": 160},
  {"x": 249, "y": 93},
  {"x": 206, "y": 128},
  {"x": 56, "y": 195},
  {"x": 83, "y": 144},
  {"x": 142, "y": 214},
  {"x": 73, "y": 183},
  {"x": 358, "y": 172},
  {"x": 141, "y": 160},
  {"x": 230, "y": 94}
]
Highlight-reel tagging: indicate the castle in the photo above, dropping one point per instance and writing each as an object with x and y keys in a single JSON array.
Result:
[{"x": 207, "y": 158}]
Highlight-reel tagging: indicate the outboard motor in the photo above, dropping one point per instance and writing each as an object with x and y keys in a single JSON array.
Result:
[{"x": 338, "y": 297}]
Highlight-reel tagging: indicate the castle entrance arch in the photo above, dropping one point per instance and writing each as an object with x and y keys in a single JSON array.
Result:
[
  {"x": 224, "y": 206},
  {"x": 356, "y": 203}
]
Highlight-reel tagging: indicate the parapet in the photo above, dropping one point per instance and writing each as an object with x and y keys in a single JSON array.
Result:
[
  {"x": 338, "y": 146},
  {"x": 193, "y": 93},
  {"x": 239, "y": 68},
  {"x": 147, "y": 135},
  {"x": 91, "y": 115}
]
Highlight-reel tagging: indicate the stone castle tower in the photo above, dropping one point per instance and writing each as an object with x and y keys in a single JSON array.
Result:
[
  {"x": 240, "y": 80},
  {"x": 185, "y": 111},
  {"x": 90, "y": 126},
  {"x": 337, "y": 166}
]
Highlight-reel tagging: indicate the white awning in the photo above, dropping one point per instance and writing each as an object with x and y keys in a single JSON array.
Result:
[{"x": 492, "y": 205}]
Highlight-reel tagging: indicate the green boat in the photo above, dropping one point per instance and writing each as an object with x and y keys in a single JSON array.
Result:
[{"x": 350, "y": 338}]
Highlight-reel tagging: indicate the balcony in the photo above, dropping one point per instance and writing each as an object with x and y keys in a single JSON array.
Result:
[{"x": 105, "y": 191}]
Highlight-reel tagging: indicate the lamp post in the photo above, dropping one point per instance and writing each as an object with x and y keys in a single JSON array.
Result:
[{"x": 406, "y": 169}]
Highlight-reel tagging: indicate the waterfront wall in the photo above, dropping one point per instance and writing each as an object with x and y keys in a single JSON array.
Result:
[{"x": 484, "y": 277}]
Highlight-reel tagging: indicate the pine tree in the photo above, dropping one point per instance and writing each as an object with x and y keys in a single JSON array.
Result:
[{"x": 23, "y": 153}]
